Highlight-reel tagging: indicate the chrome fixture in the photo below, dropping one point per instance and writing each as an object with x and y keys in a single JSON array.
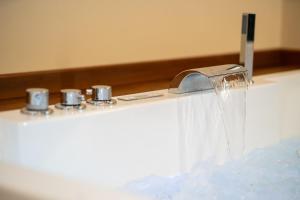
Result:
[
  {"x": 71, "y": 99},
  {"x": 194, "y": 80},
  {"x": 139, "y": 97},
  {"x": 101, "y": 95},
  {"x": 37, "y": 102},
  {"x": 247, "y": 41}
]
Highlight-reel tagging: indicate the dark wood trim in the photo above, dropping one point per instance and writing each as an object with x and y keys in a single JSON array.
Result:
[
  {"x": 290, "y": 57},
  {"x": 132, "y": 77}
]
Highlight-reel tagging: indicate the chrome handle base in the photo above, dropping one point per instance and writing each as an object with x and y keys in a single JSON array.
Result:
[
  {"x": 60, "y": 106},
  {"x": 25, "y": 111},
  {"x": 102, "y": 103}
]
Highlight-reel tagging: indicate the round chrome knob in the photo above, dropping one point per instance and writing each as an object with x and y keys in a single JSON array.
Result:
[
  {"x": 71, "y": 97},
  {"x": 101, "y": 93},
  {"x": 37, "y": 99}
]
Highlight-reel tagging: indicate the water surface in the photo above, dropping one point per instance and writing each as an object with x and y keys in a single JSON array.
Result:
[{"x": 272, "y": 173}]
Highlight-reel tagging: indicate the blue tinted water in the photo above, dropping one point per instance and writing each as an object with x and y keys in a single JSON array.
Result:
[{"x": 270, "y": 173}]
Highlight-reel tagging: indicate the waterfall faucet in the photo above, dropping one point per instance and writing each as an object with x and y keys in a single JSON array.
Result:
[
  {"x": 198, "y": 79},
  {"x": 247, "y": 41}
]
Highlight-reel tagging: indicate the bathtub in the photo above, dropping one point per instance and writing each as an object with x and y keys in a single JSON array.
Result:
[{"x": 109, "y": 146}]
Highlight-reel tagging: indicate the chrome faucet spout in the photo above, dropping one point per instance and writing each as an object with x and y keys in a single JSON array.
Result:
[
  {"x": 194, "y": 80},
  {"x": 247, "y": 42},
  {"x": 198, "y": 79}
]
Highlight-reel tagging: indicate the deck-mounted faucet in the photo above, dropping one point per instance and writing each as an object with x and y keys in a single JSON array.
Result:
[
  {"x": 194, "y": 80},
  {"x": 247, "y": 41},
  {"x": 199, "y": 79}
]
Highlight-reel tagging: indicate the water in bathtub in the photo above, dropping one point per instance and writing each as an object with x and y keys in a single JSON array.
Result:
[{"x": 272, "y": 173}]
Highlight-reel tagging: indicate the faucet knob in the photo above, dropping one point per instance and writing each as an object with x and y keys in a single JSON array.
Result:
[
  {"x": 101, "y": 93},
  {"x": 71, "y": 97},
  {"x": 37, "y": 99}
]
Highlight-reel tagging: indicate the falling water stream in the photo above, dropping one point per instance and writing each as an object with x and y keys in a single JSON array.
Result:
[
  {"x": 212, "y": 123},
  {"x": 231, "y": 96}
]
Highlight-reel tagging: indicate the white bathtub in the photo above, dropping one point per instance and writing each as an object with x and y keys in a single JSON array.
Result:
[{"x": 114, "y": 145}]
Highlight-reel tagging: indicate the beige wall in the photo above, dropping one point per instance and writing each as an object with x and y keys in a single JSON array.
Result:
[
  {"x": 53, "y": 34},
  {"x": 291, "y": 24}
]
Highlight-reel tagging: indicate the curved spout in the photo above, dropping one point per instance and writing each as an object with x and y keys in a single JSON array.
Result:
[{"x": 198, "y": 79}]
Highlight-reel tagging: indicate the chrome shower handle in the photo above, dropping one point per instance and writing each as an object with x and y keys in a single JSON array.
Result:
[{"x": 247, "y": 43}]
